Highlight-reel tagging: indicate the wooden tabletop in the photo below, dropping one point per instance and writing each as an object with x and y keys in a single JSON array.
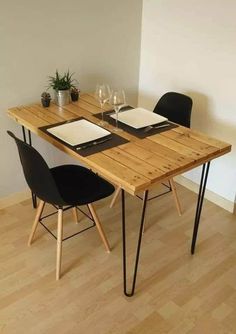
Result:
[{"x": 136, "y": 165}]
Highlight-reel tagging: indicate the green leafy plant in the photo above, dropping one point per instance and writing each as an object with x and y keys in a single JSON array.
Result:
[{"x": 62, "y": 82}]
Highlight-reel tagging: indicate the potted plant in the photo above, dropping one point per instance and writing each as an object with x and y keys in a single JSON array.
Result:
[
  {"x": 74, "y": 93},
  {"x": 45, "y": 99},
  {"x": 62, "y": 84}
]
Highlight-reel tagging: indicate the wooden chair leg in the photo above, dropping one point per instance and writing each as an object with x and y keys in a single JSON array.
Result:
[
  {"x": 36, "y": 221},
  {"x": 59, "y": 243},
  {"x": 99, "y": 227},
  {"x": 115, "y": 196},
  {"x": 177, "y": 202},
  {"x": 75, "y": 212}
]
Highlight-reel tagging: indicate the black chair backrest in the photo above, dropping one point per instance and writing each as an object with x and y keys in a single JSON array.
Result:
[
  {"x": 176, "y": 107},
  {"x": 37, "y": 173}
]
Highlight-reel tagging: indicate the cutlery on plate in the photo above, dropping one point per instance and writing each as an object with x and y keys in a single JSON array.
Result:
[
  {"x": 150, "y": 127},
  {"x": 96, "y": 142}
]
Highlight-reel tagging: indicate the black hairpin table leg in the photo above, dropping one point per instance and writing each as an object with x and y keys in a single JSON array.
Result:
[
  {"x": 202, "y": 188},
  {"x": 130, "y": 294},
  {"x": 34, "y": 198}
]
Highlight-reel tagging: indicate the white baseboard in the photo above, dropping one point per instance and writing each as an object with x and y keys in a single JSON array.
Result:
[
  {"x": 14, "y": 198},
  {"x": 210, "y": 195}
]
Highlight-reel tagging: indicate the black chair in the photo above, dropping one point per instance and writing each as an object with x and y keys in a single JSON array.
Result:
[
  {"x": 177, "y": 108},
  {"x": 66, "y": 186}
]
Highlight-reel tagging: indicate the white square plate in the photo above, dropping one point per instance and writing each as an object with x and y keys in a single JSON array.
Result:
[
  {"x": 139, "y": 118},
  {"x": 78, "y": 132}
]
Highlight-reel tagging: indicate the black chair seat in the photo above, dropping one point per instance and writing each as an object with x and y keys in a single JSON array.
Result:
[{"x": 78, "y": 185}]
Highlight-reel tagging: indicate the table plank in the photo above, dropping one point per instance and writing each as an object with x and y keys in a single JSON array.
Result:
[
  {"x": 118, "y": 173},
  {"x": 163, "y": 152},
  {"x": 29, "y": 120},
  {"x": 39, "y": 113},
  {"x": 164, "y": 166},
  {"x": 136, "y": 165},
  {"x": 186, "y": 140},
  {"x": 57, "y": 118},
  {"x": 177, "y": 147},
  {"x": 201, "y": 137}
]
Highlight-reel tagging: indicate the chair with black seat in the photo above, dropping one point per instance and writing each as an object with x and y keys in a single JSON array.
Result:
[
  {"x": 66, "y": 186},
  {"x": 177, "y": 108}
]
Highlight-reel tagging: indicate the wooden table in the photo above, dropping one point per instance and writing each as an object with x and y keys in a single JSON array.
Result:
[{"x": 135, "y": 166}]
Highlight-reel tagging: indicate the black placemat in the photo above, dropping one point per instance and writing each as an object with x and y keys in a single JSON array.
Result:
[
  {"x": 140, "y": 133},
  {"x": 114, "y": 140}
]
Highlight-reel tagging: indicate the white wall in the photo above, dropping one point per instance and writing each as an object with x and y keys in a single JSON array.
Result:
[
  {"x": 189, "y": 46},
  {"x": 98, "y": 40}
]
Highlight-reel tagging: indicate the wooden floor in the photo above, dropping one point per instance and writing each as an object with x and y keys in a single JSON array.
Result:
[{"x": 176, "y": 292}]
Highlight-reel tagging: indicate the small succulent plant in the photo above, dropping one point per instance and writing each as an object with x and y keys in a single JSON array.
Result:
[
  {"x": 74, "y": 90},
  {"x": 45, "y": 99},
  {"x": 46, "y": 96},
  {"x": 74, "y": 93}
]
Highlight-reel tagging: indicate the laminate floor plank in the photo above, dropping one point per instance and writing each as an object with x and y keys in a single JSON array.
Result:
[{"x": 176, "y": 292}]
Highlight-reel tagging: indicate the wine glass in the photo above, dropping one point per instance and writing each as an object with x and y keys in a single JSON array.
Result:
[
  {"x": 117, "y": 100},
  {"x": 102, "y": 94}
]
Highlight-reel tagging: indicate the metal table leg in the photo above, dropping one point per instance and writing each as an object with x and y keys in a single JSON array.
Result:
[
  {"x": 130, "y": 294},
  {"x": 34, "y": 198},
  {"x": 202, "y": 188}
]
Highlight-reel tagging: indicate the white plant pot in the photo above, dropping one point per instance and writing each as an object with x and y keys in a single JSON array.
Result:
[{"x": 62, "y": 97}]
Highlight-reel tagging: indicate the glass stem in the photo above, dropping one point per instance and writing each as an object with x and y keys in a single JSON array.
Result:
[
  {"x": 116, "y": 118},
  {"x": 101, "y": 104}
]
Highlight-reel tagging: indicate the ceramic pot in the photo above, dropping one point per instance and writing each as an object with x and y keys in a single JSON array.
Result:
[
  {"x": 74, "y": 96},
  {"x": 45, "y": 102}
]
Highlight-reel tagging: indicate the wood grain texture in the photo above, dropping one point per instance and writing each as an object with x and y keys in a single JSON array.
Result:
[
  {"x": 134, "y": 166},
  {"x": 176, "y": 293}
]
